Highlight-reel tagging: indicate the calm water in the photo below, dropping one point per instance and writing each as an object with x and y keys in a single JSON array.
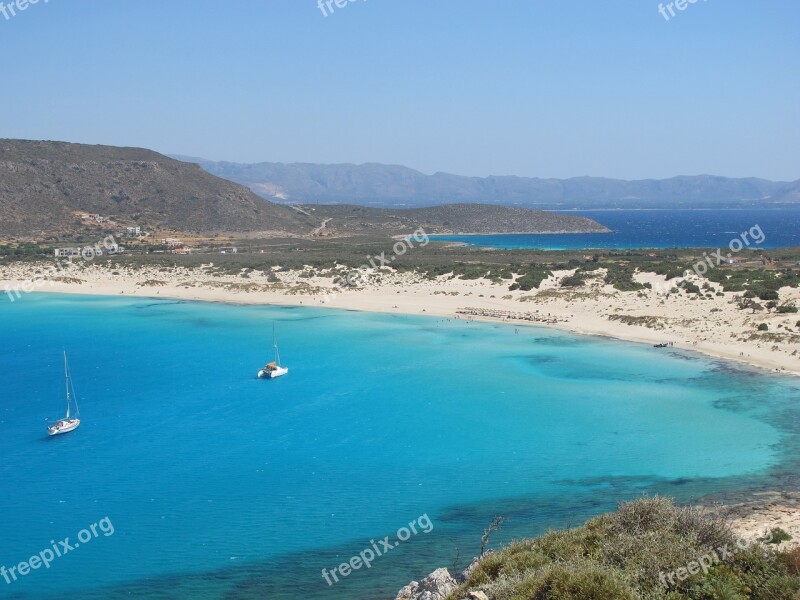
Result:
[
  {"x": 222, "y": 486},
  {"x": 657, "y": 229}
]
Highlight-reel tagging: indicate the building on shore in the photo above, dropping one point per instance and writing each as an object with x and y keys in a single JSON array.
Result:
[
  {"x": 67, "y": 252},
  {"x": 88, "y": 252}
]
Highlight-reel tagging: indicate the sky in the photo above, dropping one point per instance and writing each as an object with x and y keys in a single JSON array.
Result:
[{"x": 535, "y": 88}]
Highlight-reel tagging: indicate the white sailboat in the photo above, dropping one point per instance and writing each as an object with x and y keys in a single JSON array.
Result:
[
  {"x": 71, "y": 421},
  {"x": 273, "y": 369}
]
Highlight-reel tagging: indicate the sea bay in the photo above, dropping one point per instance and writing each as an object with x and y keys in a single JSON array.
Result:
[{"x": 231, "y": 487}]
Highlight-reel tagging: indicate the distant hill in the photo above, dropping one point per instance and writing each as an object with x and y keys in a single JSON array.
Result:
[
  {"x": 43, "y": 183},
  {"x": 395, "y": 186},
  {"x": 451, "y": 218}
]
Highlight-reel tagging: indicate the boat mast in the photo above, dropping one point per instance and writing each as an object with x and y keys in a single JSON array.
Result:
[
  {"x": 71, "y": 396},
  {"x": 275, "y": 345},
  {"x": 66, "y": 381}
]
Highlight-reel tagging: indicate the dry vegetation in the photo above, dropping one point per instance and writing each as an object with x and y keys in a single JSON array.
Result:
[{"x": 622, "y": 555}]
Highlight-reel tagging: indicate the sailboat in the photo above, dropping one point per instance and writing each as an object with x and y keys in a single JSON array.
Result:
[
  {"x": 273, "y": 369},
  {"x": 69, "y": 422}
]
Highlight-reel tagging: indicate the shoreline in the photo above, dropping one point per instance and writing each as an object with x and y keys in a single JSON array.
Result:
[
  {"x": 606, "y": 230},
  {"x": 741, "y": 364},
  {"x": 714, "y": 327}
]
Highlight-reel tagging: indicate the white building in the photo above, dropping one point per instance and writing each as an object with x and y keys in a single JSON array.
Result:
[
  {"x": 133, "y": 230},
  {"x": 88, "y": 252},
  {"x": 67, "y": 252}
]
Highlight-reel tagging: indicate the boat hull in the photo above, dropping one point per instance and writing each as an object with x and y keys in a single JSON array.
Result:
[
  {"x": 63, "y": 427},
  {"x": 273, "y": 374}
]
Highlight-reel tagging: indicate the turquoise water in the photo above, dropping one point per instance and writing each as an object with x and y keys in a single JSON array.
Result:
[
  {"x": 632, "y": 229},
  {"x": 222, "y": 486}
]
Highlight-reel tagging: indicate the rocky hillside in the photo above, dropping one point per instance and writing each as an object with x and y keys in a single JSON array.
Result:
[
  {"x": 649, "y": 549},
  {"x": 452, "y": 218},
  {"x": 42, "y": 185}
]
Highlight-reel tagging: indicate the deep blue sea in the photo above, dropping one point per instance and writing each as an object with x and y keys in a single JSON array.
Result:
[
  {"x": 658, "y": 229},
  {"x": 221, "y": 486}
]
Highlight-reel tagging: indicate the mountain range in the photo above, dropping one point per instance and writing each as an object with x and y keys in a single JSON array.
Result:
[{"x": 396, "y": 186}]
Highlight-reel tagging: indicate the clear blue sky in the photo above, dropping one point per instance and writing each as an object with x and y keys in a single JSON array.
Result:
[{"x": 474, "y": 87}]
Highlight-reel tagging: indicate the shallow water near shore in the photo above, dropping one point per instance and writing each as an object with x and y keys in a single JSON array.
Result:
[{"x": 222, "y": 486}]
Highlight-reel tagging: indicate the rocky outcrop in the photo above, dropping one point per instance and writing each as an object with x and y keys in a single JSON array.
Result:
[
  {"x": 436, "y": 586},
  {"x": 440, "y": 584}
]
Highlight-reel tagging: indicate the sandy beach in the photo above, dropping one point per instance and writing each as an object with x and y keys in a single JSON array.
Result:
[{"x": 714, "y": 326}]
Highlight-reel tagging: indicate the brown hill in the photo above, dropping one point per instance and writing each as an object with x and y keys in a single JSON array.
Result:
[
  {"x": 450, "y": 218},
  {"x": 42, "y": 185}
]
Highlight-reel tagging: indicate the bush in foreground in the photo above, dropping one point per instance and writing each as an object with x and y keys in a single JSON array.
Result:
[{"x": 645, "y": 550}]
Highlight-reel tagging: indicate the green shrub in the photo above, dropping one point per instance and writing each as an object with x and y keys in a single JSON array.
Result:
[
  {"x": 690, "y": 287},
  {"x": 628, "y": 554},
  {"x": 573, "y": 281},
  {"x": 621, "y": 277},
  {"x": 587, "y": 582},
  {"x": 778, "y": 536},
  {"x": 531, "y": 278}
]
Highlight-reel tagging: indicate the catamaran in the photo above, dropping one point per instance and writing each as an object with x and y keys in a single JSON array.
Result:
[
  {"x": 273, "y": 369},
  {"x": 69, "y": 422}
]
